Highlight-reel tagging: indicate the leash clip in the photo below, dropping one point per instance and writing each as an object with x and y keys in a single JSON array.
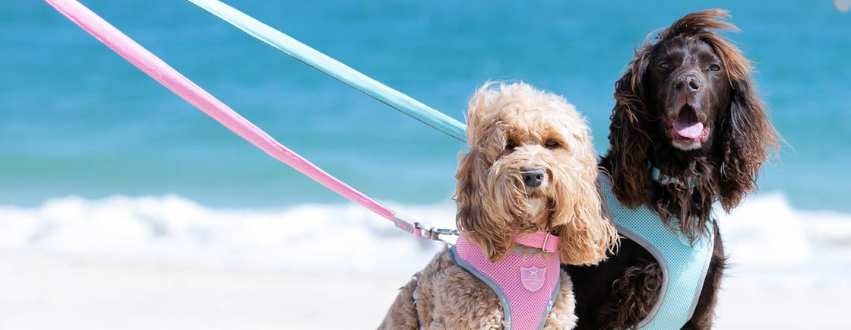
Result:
[
  {"x": 432, "y": 233},
  {"x": 425, "y": 231}
]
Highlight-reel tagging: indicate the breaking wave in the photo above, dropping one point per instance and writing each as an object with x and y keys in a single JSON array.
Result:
[{"x": 770, "y": 243}]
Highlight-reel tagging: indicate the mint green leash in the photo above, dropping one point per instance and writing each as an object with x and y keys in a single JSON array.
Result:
[{"x": 335, "y": 69}]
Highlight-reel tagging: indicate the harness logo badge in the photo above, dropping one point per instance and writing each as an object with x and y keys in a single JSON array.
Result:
[{"x": 532, "y": 278}]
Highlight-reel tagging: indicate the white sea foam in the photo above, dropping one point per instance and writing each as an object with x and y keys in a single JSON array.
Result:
[
  {"x": 172, "y": 229},
  {"x": 770, "y": 243}
]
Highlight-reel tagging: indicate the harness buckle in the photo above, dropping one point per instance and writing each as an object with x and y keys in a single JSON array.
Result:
[{"x": 544, "y": 246}]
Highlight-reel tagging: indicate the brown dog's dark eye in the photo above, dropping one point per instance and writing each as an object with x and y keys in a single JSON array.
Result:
[
  {"x": 714, "y": 67},
  {"x": 664, "y": 65},
  {"x": 552, "y": 144},
  {"x": 510, "y": 145}
]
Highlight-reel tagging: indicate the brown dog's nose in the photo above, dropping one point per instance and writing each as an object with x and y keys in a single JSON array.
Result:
[
  {"x": 532, "y": 177},
  {"x": 689, "y": 82}
]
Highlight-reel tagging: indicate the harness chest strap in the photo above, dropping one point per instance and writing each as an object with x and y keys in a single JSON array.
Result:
[
  {"x": 526, "y": 283},
  {"x": 684, "y": 264}
]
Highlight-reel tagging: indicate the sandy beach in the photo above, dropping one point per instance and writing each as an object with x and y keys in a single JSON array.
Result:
[
  {"x": 47, "y": 292},
  {"x": 124, "y": 207}
]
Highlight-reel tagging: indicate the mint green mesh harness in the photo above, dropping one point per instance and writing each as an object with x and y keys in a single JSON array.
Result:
[{"x": 683, "y": 264}]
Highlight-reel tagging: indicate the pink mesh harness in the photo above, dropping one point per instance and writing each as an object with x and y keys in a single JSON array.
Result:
[{"x": 526, "y": 283}]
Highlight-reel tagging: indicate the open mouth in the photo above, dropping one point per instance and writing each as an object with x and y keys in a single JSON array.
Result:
[{"x": 687, "y": 127}]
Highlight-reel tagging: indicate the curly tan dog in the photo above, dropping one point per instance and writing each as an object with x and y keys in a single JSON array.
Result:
[{"x": 531, "y": 170}]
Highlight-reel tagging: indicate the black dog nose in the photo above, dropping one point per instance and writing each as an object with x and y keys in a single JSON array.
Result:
[
  {"x": 533, "y": 177},
  {"x": 689, "y": 82}
]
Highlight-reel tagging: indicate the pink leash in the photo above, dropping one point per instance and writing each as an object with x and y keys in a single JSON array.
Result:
[{"x": 189, "y": 91}]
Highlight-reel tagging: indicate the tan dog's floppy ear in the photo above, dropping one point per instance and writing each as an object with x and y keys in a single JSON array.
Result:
[
  {"x": 491, "y": 234},
  {"x": 474, "y": 218},
  {"x": 586, "y": 240},
  {"x": 586, "y": 233}
]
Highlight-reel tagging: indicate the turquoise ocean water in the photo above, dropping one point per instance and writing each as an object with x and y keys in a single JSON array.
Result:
[{"x": 76, "y": 119}]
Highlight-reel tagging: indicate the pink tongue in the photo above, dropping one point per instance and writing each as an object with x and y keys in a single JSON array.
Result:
[{"x": 689, "y": 129}]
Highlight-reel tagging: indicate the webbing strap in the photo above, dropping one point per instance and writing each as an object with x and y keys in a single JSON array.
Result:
[
  {"x": 192, "y": 93},
  {"x": 684, "y": 264},
  {"x": 335, "y": 69}
]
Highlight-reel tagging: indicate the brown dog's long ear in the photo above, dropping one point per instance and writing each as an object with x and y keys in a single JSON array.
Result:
[
  {"x": 748, "y": 139},
  {"x": 492, "y": 234},
  {"x": 630, "y": 143}
]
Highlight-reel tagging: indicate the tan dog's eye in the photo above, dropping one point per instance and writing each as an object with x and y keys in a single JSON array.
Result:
[
  {"x": 714, "y": 67},
  {"x": 552, "y": 144},
  {"x": 510, "y": 145}
]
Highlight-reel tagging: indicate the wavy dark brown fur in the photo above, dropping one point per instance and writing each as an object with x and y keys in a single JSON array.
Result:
[
  {"x": 745, "y": 141},
  {"x": 619, "y": 292}
]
